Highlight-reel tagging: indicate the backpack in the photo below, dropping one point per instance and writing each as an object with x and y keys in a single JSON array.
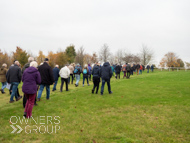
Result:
[
  {"x": 85, "y": 71},
  {"x": 76, "y": 70},
  {"x": 124, "y": 68}
]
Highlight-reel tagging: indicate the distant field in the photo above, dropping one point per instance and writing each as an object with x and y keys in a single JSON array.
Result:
[{"x": 152, "y": 107}]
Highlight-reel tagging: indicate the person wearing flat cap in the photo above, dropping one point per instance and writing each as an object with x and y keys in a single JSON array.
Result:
[{"x": 47, "y": 78}]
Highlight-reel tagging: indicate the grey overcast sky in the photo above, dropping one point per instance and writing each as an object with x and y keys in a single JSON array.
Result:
[{"x": 47, "y": 25}]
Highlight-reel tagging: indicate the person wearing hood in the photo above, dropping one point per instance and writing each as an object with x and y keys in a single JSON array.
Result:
[
  {"x": 31, "y": 77},
  {"x": 96, "y": 77},
  {"x": 3, "y": 80},
  {"x": 117, "y": 71},
  {"x": 106, "y": 74}
]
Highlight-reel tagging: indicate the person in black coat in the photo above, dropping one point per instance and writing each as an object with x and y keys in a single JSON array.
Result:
[
  {"x": 128, "y": 68},
  {"x": 148, "y": 67},
  {"x": 106, "y": 74},
  {"x": 47, "y": 78},
  {"x": 56, "y": 76},
  {"x": 117, "y": 71},
  {"x": 138, "y": 67},
  {"x": 14, "y": 76},
  {"x": 96, "y": 77}
]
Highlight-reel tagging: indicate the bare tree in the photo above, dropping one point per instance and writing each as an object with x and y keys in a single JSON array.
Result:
[
  {"x": 136, "y": 59},
  {"x": 119, "y": 55},
  {"x": 104, "y": 53},
  {"x": 80, "y": 56},
  {"x": 128, "y": 58},
  {"x": 146, "y": 55},
  {"x": 94, "y": 58}
]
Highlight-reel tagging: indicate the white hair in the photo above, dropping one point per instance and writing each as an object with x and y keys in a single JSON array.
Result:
[
  {"x": 85, "y": 65},
  {"x": 30, "y": 59},
  {"x": 57, "y": 66},
  {"x": 17, "y": 63},
  {"x": 4, "y": 65},
  {"x": 34, "y": 64}
]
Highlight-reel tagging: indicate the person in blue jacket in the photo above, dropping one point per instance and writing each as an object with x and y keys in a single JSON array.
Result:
[
  {"x": 56, "y": 76},
  {"x": 89, "y": 71}
]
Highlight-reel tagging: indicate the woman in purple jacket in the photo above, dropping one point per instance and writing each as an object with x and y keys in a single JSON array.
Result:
[{"x": 30, "y": 78}]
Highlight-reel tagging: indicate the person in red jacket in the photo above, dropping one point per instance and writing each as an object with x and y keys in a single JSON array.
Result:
[{"x": 141, "y": 68}]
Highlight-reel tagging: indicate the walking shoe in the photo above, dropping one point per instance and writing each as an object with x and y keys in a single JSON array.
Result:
[
  {"x": 93, "y": 91},
  {"x": 47, "y": 98},
  {"x": 18, "y": 98},
  {"x": 83, "y": 85},
  {"x": 24, "y": 114},
  {"x": 88, "y": 84},
  {"x": 35, "y": 104},
  {"x": 101, "y": 93},
  {"x": 38, "y": 99},
  {"x": 110, "y": 92},
  {"x": 11, "y": 101}
]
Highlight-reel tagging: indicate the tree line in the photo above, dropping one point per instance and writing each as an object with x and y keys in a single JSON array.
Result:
[{"x": 70, "y": 55}]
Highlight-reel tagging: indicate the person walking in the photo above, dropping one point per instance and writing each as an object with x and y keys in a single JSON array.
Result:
[
  {"x": 96, "y": 77},
  {"x": 89, "y": 71},
  {"x": 117, "y": 71},
  {"x": 71, "y": 68},
  {"x": 124, "y": 70},
  {"x": 47, "y": 79},
  {"x": 31, "y": 77},
  {"x": 106, "y": 74},
  {"x": 132, "y": 69},
  {"x": 14, "y": 76},
  {"x": 56, "y": 76},
  {"x": 3, "y": 80},
  {"x": 64, "y": 74},
  {"x": 137, "y": 68},
  {"x": 77, "y": 72},
  {"x": 148, "y": 68},
  {"x": 140, "y": 69},
  {"x": 85, "y": 73},
  {"x": 128, "y": 68},
  {"x": 152, "y": 68},
  {"x": 27, "y": 65},
  {"x": 112, "y": 70}
]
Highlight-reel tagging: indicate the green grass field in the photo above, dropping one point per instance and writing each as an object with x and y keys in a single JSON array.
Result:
[{"x": 152, "y": 107}]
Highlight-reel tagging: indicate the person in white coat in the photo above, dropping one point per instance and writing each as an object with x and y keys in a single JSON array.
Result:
[{"x": 64, "y": 74}]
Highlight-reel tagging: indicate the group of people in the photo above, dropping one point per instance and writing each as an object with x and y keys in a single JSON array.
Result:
[
  {"x": 128, "y": 69},
  {"x": 35, "y": 78}
]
